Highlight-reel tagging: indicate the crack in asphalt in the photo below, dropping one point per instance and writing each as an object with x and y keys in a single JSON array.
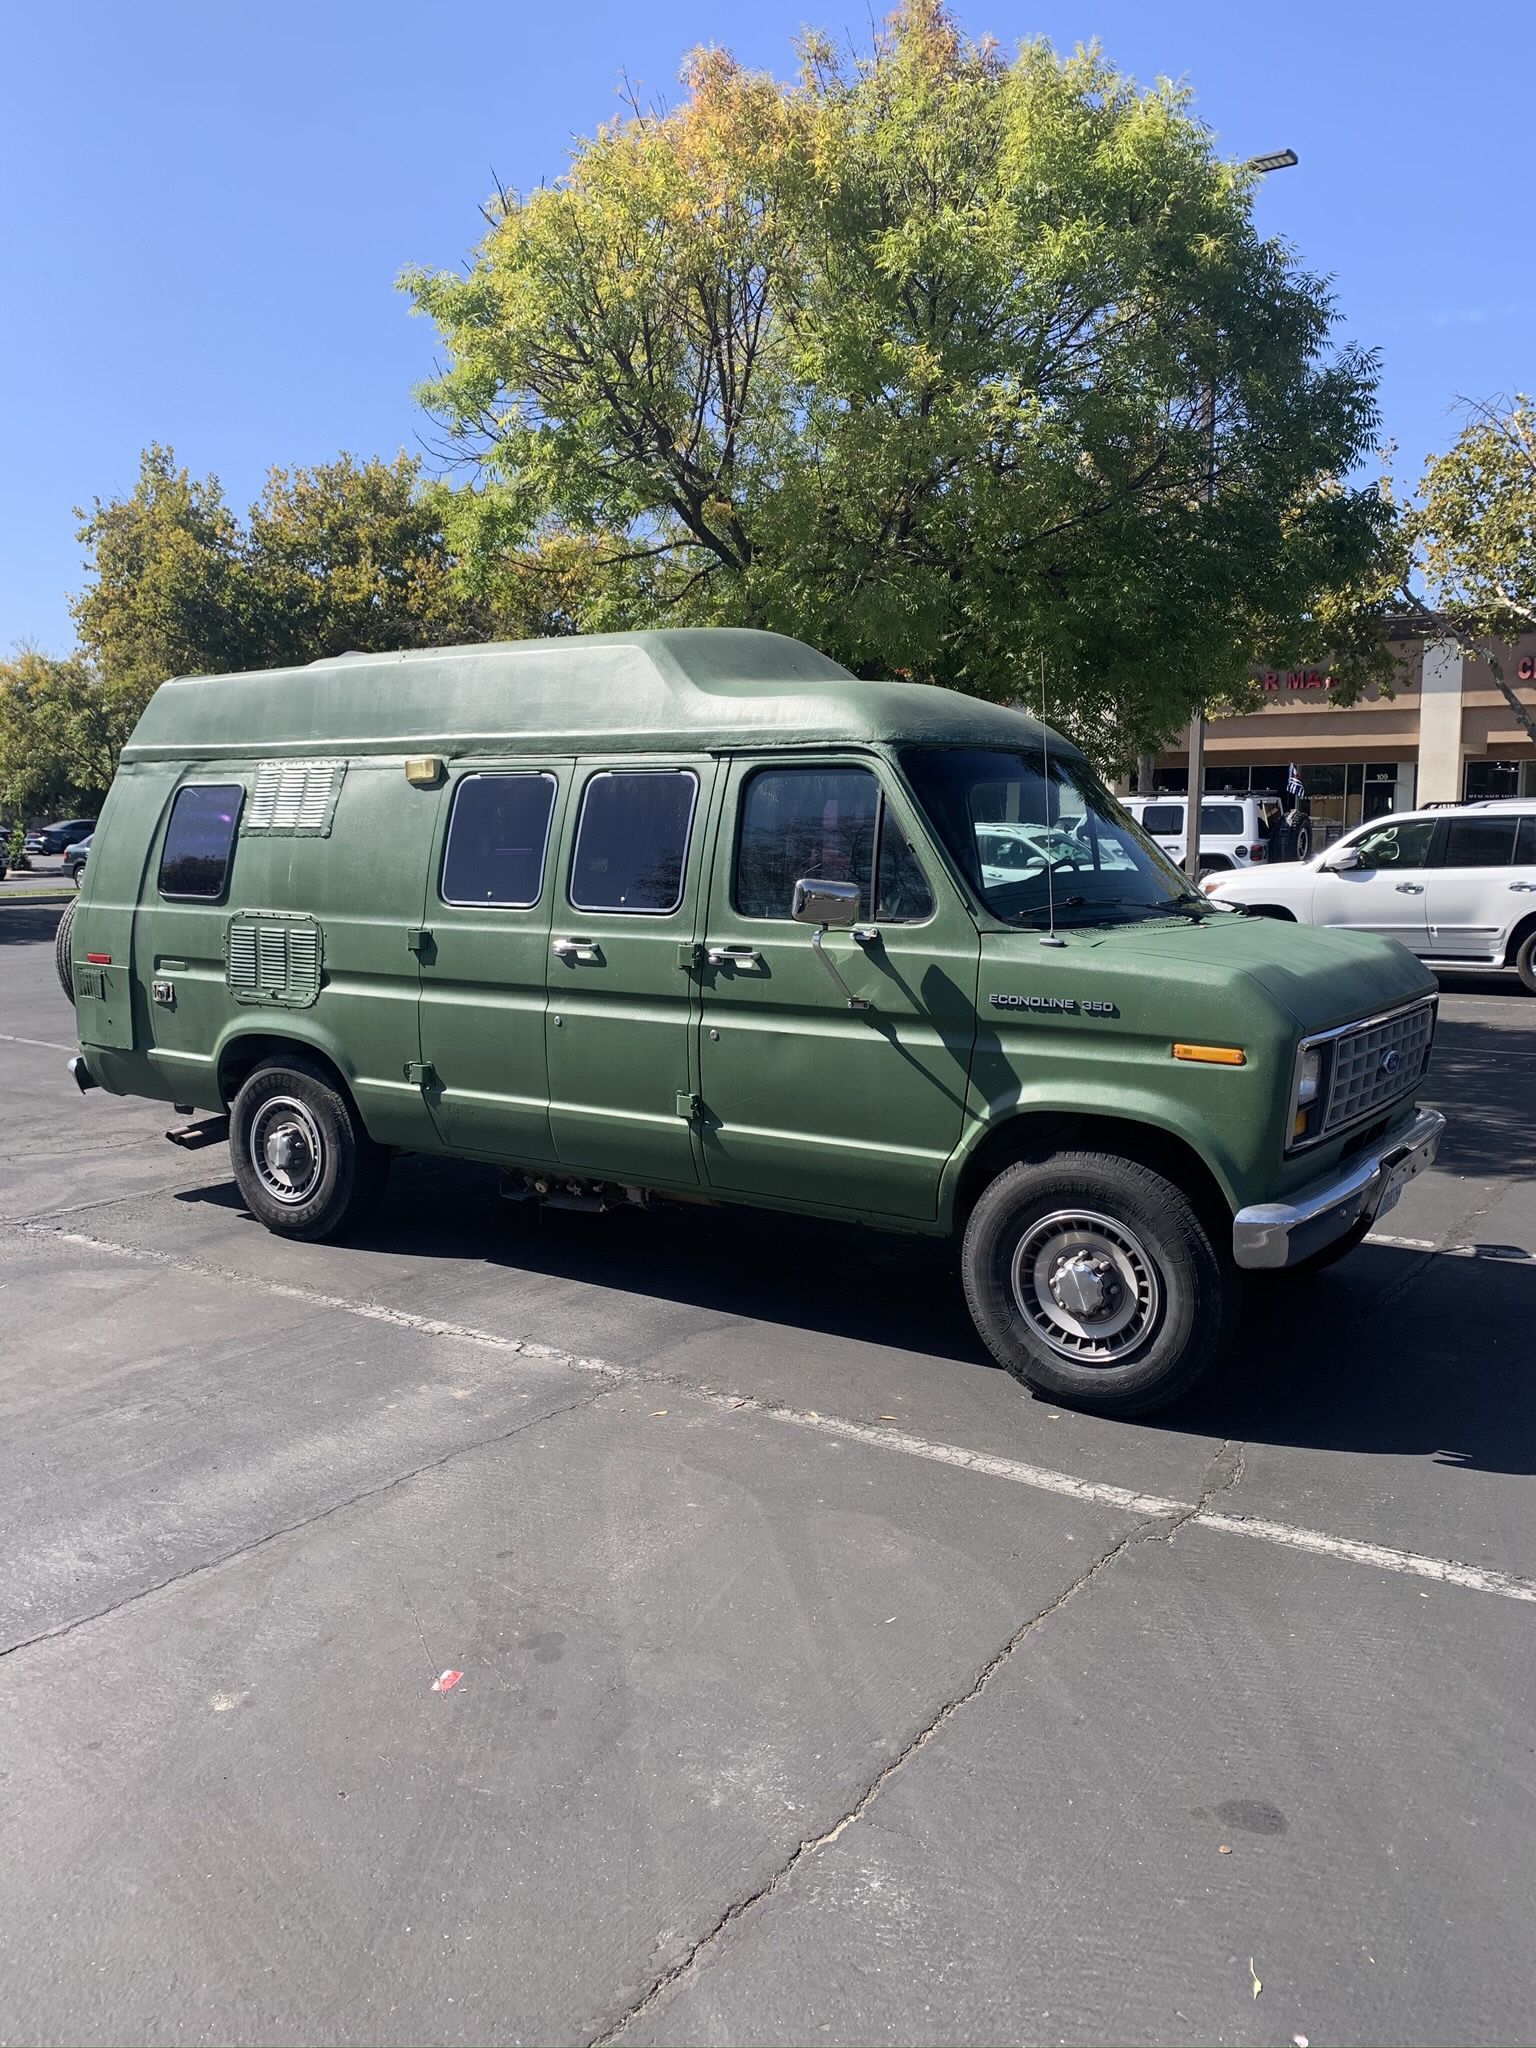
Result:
[
  {"x": 1223, "y": 1473},
  {"x": 335, "y": 1507}
]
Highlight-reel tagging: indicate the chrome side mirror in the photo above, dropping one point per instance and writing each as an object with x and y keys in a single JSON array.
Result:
[
  {"x": 832, "y": 905},
  {"x": 829, "y": 905},
  {"x": 1344, "y": 861}
]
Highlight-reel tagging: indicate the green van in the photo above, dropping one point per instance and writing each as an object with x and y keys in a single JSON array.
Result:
[{"x": 699, "y": 916}]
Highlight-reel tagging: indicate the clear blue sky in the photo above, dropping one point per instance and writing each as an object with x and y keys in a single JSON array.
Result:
[{"x": 203, "y": 206}]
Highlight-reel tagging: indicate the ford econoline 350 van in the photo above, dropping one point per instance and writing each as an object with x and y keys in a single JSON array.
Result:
[{"x": 698, "y": 914}]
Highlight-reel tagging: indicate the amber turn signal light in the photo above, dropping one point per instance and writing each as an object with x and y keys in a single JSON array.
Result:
[{"x": 1211, "y": 1055}]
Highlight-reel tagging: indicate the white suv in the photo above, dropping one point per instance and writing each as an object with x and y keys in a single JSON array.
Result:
[
  {"x": 1229, "y": 829},
  {"x": 1457, "y": 886}
]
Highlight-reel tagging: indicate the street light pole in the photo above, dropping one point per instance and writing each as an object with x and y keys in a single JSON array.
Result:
[{"x": 1278, "y": 160}]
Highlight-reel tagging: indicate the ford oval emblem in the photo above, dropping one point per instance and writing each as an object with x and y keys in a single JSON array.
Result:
[{"x": 1391, "y": 1060}]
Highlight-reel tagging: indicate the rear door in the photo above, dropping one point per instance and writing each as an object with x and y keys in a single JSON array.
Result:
[
  {"x": 621, "y": 969},
  {"x": 1470, "y": 898},
  {"x": 806, "y": 1099},
  {"x": 484, "y": 952},
  {"x": 1163, "y": 821},
  {"x": 1387, "y": 892}
]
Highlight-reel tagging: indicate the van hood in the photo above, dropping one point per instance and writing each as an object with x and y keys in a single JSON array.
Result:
[{"x": 1317, "y": 976}]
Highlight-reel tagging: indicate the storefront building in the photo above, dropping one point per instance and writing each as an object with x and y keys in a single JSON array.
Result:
[{"x": 1447, "y": 735}]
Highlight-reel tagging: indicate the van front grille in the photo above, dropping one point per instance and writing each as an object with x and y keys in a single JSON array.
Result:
[{"x": 1377, "y": 1062}]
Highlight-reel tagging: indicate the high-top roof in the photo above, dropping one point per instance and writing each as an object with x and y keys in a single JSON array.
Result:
[{"x": 695, "y": 688}]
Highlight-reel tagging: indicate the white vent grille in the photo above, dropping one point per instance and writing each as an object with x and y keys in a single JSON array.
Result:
[{"x": 294, "y": 796}]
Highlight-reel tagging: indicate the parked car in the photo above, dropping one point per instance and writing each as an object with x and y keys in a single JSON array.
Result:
[
  {"x": 1456, "y": 886},
  {"x": 1230, "y": 835},
  {"x": 697, "y": 916},
  {"x": 75, "y": 858},
  {"x": 53, "y": 839}
]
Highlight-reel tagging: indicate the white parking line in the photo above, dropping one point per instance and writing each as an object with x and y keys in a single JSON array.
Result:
[
  {"x": 1495, "y": 1254},
  {"x": 1446, "y": 1571},
  {"x": 47, "y": 1044}
]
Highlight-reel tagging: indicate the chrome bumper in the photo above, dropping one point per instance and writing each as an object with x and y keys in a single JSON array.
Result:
[{"x": 1273, "y": 1234}]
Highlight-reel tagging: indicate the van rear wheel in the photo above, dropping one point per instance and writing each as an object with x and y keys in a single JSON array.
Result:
[
  {"x": 303, "y": 1161},
  {"x": 1095, "y": 1281}
]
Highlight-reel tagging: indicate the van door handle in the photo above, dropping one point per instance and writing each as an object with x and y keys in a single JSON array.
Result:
[
  {"x": 1524, "y": 885},
  {"x": 1410, "y": 888},
  {"x": 734, "y": 956},
  {"x": 576, "y": 949}
]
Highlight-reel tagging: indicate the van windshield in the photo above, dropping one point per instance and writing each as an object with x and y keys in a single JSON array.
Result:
[{"x": 1025, "y": 828}]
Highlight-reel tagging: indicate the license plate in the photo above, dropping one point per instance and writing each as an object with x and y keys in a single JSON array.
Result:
[{"x": 1405, "y": 1170}]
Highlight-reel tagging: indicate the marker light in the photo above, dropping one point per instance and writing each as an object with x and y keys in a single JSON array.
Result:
[{"x": 1211, "y": 1055}]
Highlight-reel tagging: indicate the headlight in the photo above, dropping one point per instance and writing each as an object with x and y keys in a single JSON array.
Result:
[{"x": 1310, "y": 1093}]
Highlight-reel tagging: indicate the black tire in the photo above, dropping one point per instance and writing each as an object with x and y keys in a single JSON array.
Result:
[
  {"x": 310, "y": 1138},
  {"x": 1186, "y": 1288},
  {"x": 1525, "y": 961},
  {"x": 61, "y": 959}
]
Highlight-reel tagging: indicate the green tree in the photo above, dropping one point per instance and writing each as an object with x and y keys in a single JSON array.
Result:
[
  {"x": 350, "y": 555},
  {"x": 959, "y": 367},
  {"x": 165, "y": 595},
  {"x": 347, "y": 554},
  {"x": 61, "y": 731},
  {"x": 1473, "y": 525}
]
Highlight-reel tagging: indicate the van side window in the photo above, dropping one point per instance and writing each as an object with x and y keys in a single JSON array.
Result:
[
  {"x": 829, "y": 825},
  {"x": 1525, "y": 849},
  {"x": 498, "y": 833},
  {"x": 194, "y": 862},
  {"x": 632, "y": 840}
]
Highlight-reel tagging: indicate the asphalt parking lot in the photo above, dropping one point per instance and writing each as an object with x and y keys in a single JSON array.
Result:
[{"x": 816, "y": 1684}]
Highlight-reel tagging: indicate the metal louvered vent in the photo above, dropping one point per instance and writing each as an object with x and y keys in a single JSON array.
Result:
[
  {"x": 271, "y": 957},
  {"x": 294, "y": 797},
  {"x": 240, "y": 953}
]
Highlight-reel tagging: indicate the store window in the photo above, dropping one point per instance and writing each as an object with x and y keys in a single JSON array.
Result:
[{"x": 1492, "y": 779}]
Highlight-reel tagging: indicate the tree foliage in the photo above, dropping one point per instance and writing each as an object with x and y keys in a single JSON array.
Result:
[
  {"x": 346, "y": 555},
  {"x": 61, "y": 731},
  {"x": 1474, "y": 527},
  {"x": 915, "y": 358}
]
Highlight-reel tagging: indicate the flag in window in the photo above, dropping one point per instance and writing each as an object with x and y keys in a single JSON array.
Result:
[{"x": 1295, "y": 788}]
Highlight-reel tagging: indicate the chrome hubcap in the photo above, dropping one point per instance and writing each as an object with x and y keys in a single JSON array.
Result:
[
  {"x": 1086, "y": 1286},
  {"x": 286, "y": 1150}
]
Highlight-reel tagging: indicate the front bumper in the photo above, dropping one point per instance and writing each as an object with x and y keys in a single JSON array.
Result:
[{"x": 1273, "y": 1234}]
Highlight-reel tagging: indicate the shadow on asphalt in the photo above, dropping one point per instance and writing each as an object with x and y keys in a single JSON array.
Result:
[
  {"x": 29, "y": 924},
  {"x": 1393, "y": 1353}
]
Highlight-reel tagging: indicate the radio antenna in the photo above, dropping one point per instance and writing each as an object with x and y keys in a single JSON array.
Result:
[{"x": 1050, "y": 938}]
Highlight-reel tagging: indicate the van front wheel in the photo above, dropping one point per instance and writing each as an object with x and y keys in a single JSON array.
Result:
[
  {"x": 303, "y": 1161},
  {"x": 1095, "y": 1281}
]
